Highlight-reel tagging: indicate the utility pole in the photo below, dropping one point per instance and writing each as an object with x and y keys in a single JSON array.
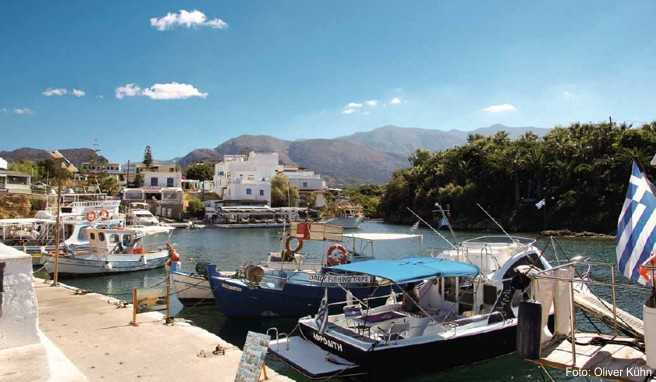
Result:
[{"x": 57, "y": 233}]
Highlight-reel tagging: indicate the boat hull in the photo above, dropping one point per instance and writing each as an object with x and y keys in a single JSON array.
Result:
[
  {"x": 236, "y": 299},
  {"x": 350, "y": 222},
  {"x": 383, "y": 363},
  {"x": 71, "y": 266},
  {"x": 191, "y": 289}
]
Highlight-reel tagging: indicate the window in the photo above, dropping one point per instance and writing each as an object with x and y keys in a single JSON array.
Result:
[
  {"x": 101, "y": 236},
  {"x": 126, "y": 240},
  {"x": 92, "y": 236},
  {"x": 169, "y": 182},
  {"x": 249, "y": 191},
  {"x": 221, "y": 173},
  {"x": 153, "y": 182},
  {"x": 261, "y": 192},
  {"x": 305, "y": 185},
  {"x": 113, "y": 238}
]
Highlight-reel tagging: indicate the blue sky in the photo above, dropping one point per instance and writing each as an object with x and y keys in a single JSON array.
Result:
[{"x": 311, "y": 69}]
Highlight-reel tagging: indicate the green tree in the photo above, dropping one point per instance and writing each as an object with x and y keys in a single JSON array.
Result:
[
  {"x": 148, "y": 156},
  {"x": 200, "y": 171},
  {"x": 580, "y": 170},
  {"x": 109, "y": 185},
  {"x": 27, "y": 167},
  {"x": 283, "y": 193},
  {"x": 195, "y": 208}
]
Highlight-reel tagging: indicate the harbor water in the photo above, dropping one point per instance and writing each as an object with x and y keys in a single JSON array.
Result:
[{"x": 230, "y": 248}]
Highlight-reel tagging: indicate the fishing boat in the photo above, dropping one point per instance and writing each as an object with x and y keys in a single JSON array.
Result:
[
  {"x": 290, "y": 288},
  {"x": 111, "y": 250},
  {"x": 456, "y": 308},
  {"x": 347, "y": 216}
]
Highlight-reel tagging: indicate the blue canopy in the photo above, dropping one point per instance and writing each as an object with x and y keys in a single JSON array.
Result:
[{"x": 411, "y": 268}]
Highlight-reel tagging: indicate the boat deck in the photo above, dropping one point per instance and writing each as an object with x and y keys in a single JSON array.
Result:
[{"x": 614, "y": 361}]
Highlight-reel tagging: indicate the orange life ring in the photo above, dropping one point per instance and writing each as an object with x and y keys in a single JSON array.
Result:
[
  {"x": 335, "y": 259},
  {"x": 104, "y": 214},
  {"x": 91, "y": 216},
  {"x": 288, "y": 244}
]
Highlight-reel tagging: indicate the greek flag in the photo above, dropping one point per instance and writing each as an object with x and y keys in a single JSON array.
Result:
[
  {"x": 322, "y": 314},
  {"x": 636, "y": 226}
]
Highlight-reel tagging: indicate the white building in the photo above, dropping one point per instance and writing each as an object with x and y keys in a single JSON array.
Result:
[
  {"x": 3, "y": 164},
  {"x": 162, "y": 179},
  {"x": 246, "y": 177},
  {"x": 304, "y": 180}
]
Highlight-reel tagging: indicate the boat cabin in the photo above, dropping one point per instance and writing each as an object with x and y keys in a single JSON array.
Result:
[{"x": 115, "y": 241}]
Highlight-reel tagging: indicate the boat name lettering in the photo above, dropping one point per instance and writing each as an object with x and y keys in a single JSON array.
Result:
[
  {"x": 341, "y": 279},
  {"x": 230, "y": 287},
  {"x": 330, "y": 343}
]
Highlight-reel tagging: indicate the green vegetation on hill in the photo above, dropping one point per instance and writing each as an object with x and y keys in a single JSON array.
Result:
[
  {"x": 581, "y": 171},
  {"x": 368, "y": 196}
]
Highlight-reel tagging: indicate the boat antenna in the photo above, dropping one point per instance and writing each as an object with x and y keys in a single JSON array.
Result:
[
  {"x": 448, "y": 223},
  {"x": 495, "y": 222},
  {"x": 432, "y": 228}
]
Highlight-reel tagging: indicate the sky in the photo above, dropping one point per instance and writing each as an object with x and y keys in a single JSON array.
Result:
[{"x": 180, "y": 75}]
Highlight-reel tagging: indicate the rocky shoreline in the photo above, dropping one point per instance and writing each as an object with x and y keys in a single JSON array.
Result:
[{"x": 567, "y": 234}]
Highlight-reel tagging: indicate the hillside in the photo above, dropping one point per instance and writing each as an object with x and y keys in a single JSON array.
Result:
[
  {"x": 405, "y": 140},
  {"x": 370, "y": 156},
  {"x": 76, "y": 156}
]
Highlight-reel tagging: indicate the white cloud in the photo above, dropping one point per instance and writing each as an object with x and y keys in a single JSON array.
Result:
[
  {"x": 168, "y": 91},
  {"x": 502, "y": 108},
  {"x": 3, "y": 110},
  {"x": 23, "y": 111},
  {"x": 54, "y": 92},
  {"x": 78, "y": 93},
  {"x": 186, "y": 19},
  {"x": 349, "y": 111},
  {"x": 395, "y": 101},
  {"x": 127, "y": 90},
  {"x": 353, "y": 105},
  {"x": 172, "y": 90},
  {"x": 371, "y": 102}
]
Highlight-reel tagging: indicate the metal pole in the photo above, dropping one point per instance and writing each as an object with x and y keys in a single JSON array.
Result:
[
  {"x": 612, "y": 282},
  {"x": 57, "y": 234},
  {"x": 134, "y": 307},
  {"x": 572, "y": 321}
]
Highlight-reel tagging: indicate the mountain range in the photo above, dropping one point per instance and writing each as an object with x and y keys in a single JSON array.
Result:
[
  {"x": 76, "y": 156},
  {"x": 363, "y": 157}
]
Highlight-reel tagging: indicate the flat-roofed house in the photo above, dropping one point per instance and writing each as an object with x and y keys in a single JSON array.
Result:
[{"x": 15, "y": 182}]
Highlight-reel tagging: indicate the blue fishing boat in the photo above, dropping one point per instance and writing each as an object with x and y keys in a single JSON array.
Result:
[{"x": 284, "y": 289}]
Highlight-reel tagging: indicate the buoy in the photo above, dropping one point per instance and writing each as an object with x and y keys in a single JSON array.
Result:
[
  {"x": 91, "y": 216},
  {"x": 529, "y": 327},
  {"x": 104, "y": 214},
  {"x": 288, "y": 244},
  {"x": 341, "y": 257},
  {"x": 108, "y": 266}
]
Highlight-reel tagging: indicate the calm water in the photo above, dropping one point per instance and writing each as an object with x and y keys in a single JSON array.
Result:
[{"x": 231, "y": 248}]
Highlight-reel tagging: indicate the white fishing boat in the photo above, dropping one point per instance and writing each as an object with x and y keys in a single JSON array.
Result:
[
  {"x": 111, "y": 250},
  {"x": 458, "y": 308},
  {"x": 347, "y": 217},
  {"x": 139, "y": 214}
]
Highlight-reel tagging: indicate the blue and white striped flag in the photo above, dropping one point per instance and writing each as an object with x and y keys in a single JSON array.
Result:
[
  {"x": 322, "y": 314},
  {"x": 636, "y": 226},
  {"x": 540, "y": 204}
]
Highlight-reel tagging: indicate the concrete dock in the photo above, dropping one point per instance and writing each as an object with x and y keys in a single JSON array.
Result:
[{"x": 94, "y": 335}]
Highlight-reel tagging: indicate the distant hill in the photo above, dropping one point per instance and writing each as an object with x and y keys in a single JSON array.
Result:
[
  {"x": 405, "y": 140},
  {"x": 370, "y": 156},
  {"x": 76, "y": 156}
]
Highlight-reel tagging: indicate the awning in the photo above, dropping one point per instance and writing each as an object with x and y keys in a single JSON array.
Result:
[
  {"x": 411, "y": 268},
  {"x": 381, "y": 236}
]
